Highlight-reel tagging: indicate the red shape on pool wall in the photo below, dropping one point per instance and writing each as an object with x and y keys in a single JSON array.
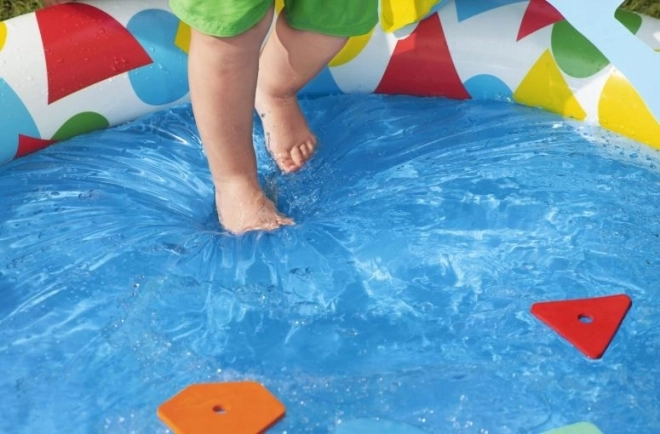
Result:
[
  {"x": 422, "y": 65},
  {"x": 539, "y": 14},
  {"x": 589, "y": 324},
  {"x": 103, "y": 49},
  {"x": 28, "y": 145}
]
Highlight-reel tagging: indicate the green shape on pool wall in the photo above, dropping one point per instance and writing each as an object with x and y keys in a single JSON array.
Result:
[
  {"x": 80, "y": 124},
  {"x": 631, "y": 20},
  {"x": 578, "y": 57},
  {"x": 577, "y": 428}
]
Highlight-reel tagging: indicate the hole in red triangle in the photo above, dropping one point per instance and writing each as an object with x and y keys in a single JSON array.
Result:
[{"x": 585, "y": 319}]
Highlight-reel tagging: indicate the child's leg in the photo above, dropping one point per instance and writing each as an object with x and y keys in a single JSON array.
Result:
[
  {"x": 223, "y": 77},
  {"x": 290, "y": 59},
  {"x": 306, "y": 37}
]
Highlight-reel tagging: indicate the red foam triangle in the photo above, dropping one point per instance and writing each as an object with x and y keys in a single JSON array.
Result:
[
  {"x": 422, "y": 65},
  {"x": 28, "y": 145},
  {"x": 539, "y": 14},
  {"x": 589, "y": 324},
  {"x": 104, "y": 49}
]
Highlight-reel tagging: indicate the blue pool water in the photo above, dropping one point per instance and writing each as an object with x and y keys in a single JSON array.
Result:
[{"x": 426, "y": 229}]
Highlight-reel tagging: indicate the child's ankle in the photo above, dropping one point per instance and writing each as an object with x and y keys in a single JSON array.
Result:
[
  {"x": 236, "y": 181},
  {"x": 230, "y": 189}
]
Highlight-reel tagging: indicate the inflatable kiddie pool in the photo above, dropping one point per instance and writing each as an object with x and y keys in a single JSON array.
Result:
[
  {"x": 401, "y": 301},
  {"x": 65, "y": 74}
]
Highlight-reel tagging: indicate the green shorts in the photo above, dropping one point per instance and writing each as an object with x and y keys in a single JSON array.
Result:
[{"x": 226, "y": 18}]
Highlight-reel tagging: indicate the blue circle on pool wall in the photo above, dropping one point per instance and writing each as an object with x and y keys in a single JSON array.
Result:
[
  {"x": 469, "y": 8},
  {"x": 323, "y": 84},
  {"x": 166, "y": 79},
  {"x": 15, "y": 120},
  {"x": 486, "y": 86}
]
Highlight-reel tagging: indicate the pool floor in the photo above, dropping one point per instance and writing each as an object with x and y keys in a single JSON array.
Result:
[{"x": 399, "y": 302}]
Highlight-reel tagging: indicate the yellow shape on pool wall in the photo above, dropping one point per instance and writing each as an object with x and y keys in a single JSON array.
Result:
[
  {"x": 182, "y": 38},
  {"x": 622, "y": 110},
  {"x": 352, "y": 48},
  {"x": 3, "y": 34},
  {"x": 545, "y": 87},
  {"x": 395, "y": 14}
]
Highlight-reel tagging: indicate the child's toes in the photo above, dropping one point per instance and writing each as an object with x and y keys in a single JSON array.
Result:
[
  {"x": 297, "y": 156},
  {"x": 286, "y": 164},
  {"x": 285, "y": 221},
  {"x": 305, "y": 151},
  {"x": 283, "y": 161},
  {"x": 310, "y": 146}
]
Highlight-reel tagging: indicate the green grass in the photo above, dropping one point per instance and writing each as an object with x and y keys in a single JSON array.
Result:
[
  {"x": 648, "y": 7},
  {"x": 11, "y": 8}
]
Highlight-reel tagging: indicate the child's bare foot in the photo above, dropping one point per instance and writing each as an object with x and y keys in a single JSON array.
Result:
[
  {"x": 288, "y": 137},
  {"x": 243, "y": 207}
]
